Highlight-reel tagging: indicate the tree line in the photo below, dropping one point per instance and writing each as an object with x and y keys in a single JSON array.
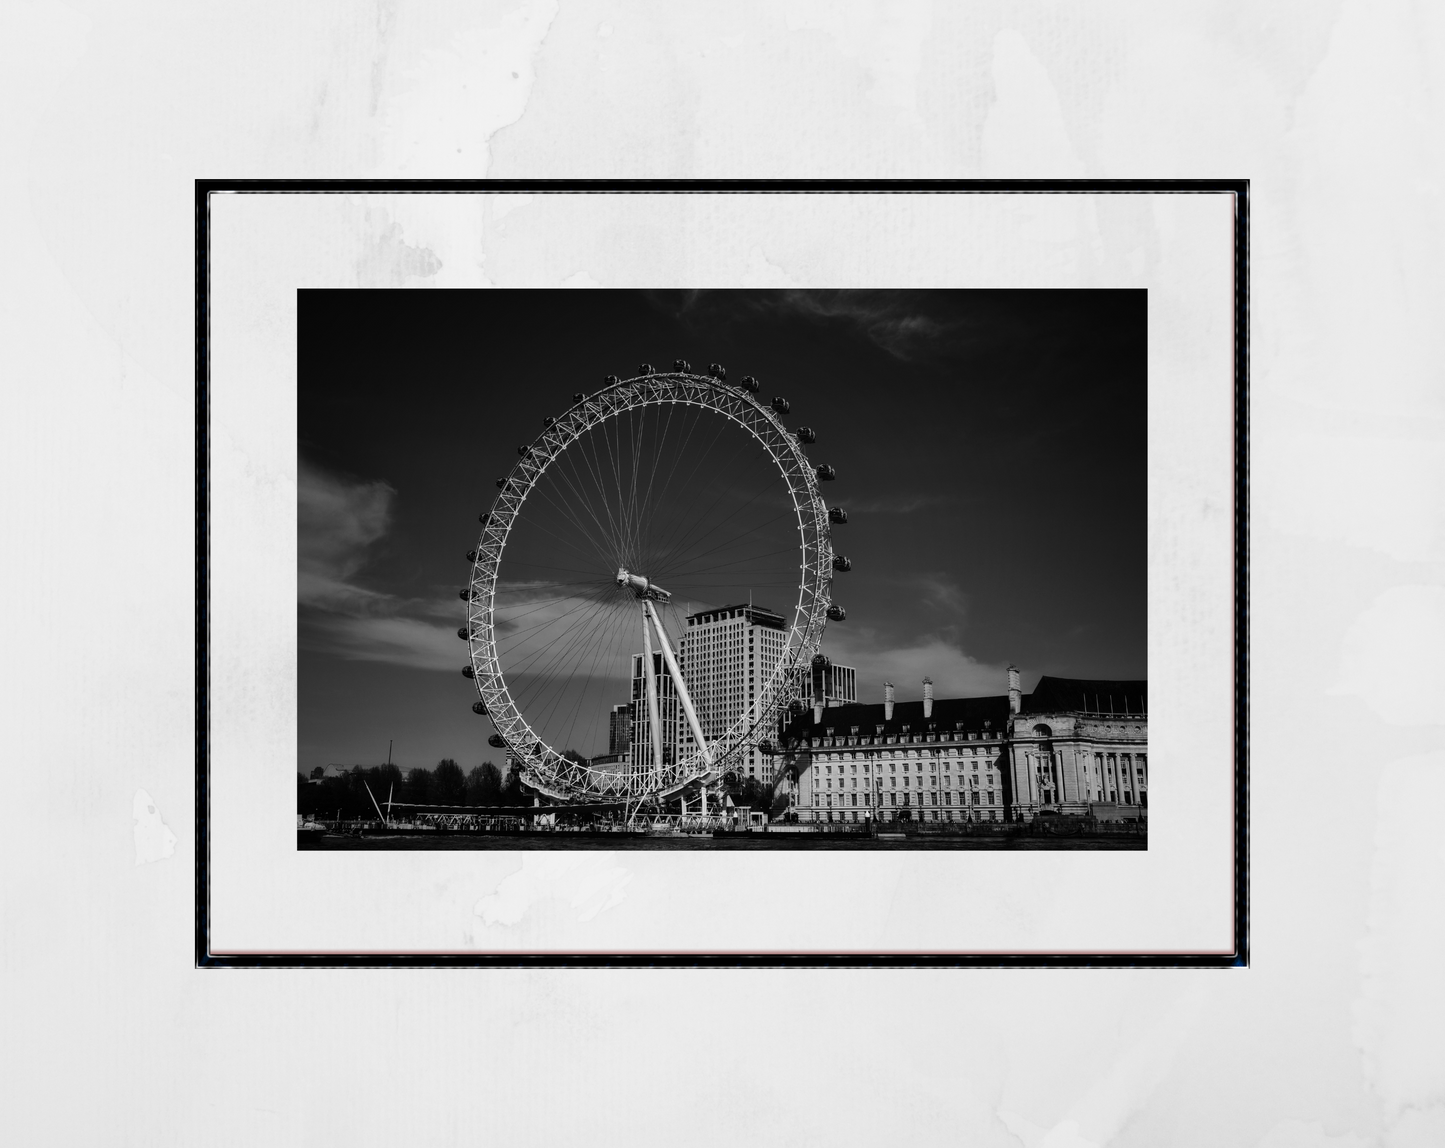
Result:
[{"x": 446, "y": 784}]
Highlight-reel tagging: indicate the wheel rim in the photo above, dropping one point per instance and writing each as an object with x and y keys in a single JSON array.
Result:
[{"x": 526, "y": 735}]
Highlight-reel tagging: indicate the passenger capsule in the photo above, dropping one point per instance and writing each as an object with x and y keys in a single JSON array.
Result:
[
  {"x": 796, "y": 707},
  {"x": 549, "y": 422},
  {"x": 781, "y": 405},
  {"x": 837, "y": 515},
  {"x": 716, "y": 371},
  {"x": 751, "y": 385},
  {"x": 464, "y": 633},
  {"x": 578, "y": 397},
  {"x": 501, "y": 484},
  {"x": 841, "y": 564},
  {"x": 484, "y": 517},
  {"x": 524, "y": 451},
  {"x": 807, "y": 434},
  {"x": 820, "y": 661},
  {"x": 645, "y": 369},
  {"x": 610, "y": 381},
  {"x": 466, "y": 595},
  {"x": 497, "y": 741},
  {"x": 468, "y": 672},
  {"x": 471, "y": 555},
  {"x": 837, "y": 613},
  {"x": 479, "y": 707},
  {"x": 826, "y": 473},
  {"x": 767, "y": 748}
]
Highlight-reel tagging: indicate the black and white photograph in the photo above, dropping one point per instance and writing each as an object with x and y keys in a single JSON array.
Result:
[
  {"x": 579, "y": 557},
  {"x": 724, "y": 570}
]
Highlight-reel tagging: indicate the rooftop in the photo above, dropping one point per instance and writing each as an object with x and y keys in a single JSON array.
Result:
[
  {"x": 947, "y": 715},
  {"x": 760, "y": 615},
  {"x": 1089, "y": 695},
  {"x": 977, "y": 715}
]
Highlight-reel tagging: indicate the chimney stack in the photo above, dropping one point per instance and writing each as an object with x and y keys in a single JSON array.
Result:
[
  {"x": 887, "y": 701},
  {"x": 927, "y": 697},
  {"x": 1015, "y": 694}
]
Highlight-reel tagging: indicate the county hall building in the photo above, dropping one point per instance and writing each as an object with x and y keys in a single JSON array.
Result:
[{"x": 1073, "y": 746}]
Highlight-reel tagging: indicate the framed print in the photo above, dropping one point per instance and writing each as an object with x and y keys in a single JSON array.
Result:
[{"x": 722, "y": 573}]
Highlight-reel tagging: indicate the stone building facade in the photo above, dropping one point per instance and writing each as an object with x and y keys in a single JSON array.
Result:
[{"x": 1071, "y": 747}]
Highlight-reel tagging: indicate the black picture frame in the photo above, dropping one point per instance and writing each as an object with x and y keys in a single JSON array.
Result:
[{"x": 1239, "y": 189}]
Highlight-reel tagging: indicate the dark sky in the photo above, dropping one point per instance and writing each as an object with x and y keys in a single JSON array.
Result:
[{"x": 990, "y": 450}]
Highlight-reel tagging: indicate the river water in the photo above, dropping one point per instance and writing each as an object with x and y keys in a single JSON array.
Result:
[{"x": 409, "y": 841}]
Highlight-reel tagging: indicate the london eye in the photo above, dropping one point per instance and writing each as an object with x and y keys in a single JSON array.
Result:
[{"x": 642, "y": 509}]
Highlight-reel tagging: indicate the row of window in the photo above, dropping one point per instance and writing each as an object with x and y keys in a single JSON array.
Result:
[
  {"x": 966, "y": 782},
  {"x": 893, "y": 768},
  {"x": 913, "y": 754},
  {"x": 905, "y": 737},
  {"x": 925, "y": 815},
  {"x": 825, "y": 800}
]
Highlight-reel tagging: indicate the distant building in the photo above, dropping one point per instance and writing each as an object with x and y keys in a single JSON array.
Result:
[
  {"x": 619, "y": 730},
  {"x": 1073, "y": 746},
  {"x": 725, "y": 655},
  {"x": 640, "y": 755},
  {"x": 609, "y": 771},
  {"x": 825, "y": 683}
]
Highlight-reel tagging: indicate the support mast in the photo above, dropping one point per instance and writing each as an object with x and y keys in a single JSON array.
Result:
[{"x": 652, "y": 708}]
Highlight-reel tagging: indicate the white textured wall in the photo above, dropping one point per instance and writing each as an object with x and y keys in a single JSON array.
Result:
[{"x": 1333, "y": 1038}]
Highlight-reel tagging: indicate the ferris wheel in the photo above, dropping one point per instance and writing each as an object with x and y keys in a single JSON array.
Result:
[{"x": 650, "y": 584}]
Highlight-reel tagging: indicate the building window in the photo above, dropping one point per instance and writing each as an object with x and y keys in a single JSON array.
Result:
[{"x": 975, "y": 798}]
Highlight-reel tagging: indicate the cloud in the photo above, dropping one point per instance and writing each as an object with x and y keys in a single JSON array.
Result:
[
  {"x": 399, "y": 641},
  {"x": 337, "y": 520},
  {"x": 895, "y": 321},
  {"x": 904, "y": 660},
  {"x": 954, "y": 673},
  {"x": 342, "y": 522},
  {"x": 339, "y": 523},
  {"x": 945, "y": 596},
  {"x": 891, "y": 319}
]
